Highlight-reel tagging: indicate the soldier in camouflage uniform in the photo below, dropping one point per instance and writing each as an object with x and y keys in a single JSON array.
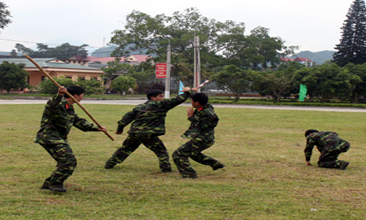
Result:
[
  {"x": 57, "y": 119},
  {"x": 330, "y": 145},
  {"x": 201, "y": 132},
  {"x": 148, "y": 124}
]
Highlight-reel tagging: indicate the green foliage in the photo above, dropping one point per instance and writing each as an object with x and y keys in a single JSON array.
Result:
[
  {"x": 234, "y": 79},
  {"x": 92, "y": 86},
  {"x": 352, "y": 46},
  {"x": 115, "y": 68},
  {"x": 4, "y": 15},
  {"x": 328, "y": 81},
  {"x": 64, "y": 51},
  {"x": 48, "y": 87},
  {"x": 221, "y": 43},
  {"x": 121, "y": 84},
  {"x": 12, "y": 76},
  {"x": 358, "y": 83},
  {"x": 274, "y": 83},
  {"x": 144, "y": 80}
]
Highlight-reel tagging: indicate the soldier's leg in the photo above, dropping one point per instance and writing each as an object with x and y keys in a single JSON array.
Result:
[
  {"x": 181, "y": 160},
  {"x": 329, "y": 157},
  {"x": 154, "y": 143},
  {"x": 198, "y": 156},
  {"x": 66, "y": 163},
  {"x": 128, "y": 147}
]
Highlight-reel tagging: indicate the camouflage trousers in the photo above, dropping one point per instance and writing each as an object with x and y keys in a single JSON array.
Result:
[
  {"x": 150, "y": 141},
  {"x": 66, "y": 162},
  {"x": 192, "y": 149},
  {"x": 329, "y": 156}
]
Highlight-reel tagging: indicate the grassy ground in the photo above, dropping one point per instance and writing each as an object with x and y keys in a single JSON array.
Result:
[{"x": 265, "y": 175}]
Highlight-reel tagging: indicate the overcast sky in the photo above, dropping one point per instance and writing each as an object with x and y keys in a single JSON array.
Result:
[{"x": 313, "y": 25}]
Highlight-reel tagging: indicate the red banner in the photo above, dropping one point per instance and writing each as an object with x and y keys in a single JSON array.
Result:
[{"x": 160, "y": 70}]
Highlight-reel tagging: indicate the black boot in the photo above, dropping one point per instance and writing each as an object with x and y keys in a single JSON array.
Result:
[{"x": 58, "y": 187}]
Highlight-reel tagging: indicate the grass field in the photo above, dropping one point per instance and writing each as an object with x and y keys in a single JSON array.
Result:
[{"x": 265, "y": 175}]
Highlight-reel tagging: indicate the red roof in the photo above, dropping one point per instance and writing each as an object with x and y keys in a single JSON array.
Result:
[
  {"x": 285, "y": 59},
  {"x": 302, "y": 59}
]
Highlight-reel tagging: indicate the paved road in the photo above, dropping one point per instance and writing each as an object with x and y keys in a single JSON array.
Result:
[{"x": 136, "y": 102}]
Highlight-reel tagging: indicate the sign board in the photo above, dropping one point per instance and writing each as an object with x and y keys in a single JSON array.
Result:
[{"x": 160, "y": 70}]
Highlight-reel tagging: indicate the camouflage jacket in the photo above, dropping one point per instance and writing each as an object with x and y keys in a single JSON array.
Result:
[
  {"x": 57, "y": 120},
  {"x": 149, "y": 118},
  {"x": 323, "y": 140},
  {"x": 203, "y": 123}
]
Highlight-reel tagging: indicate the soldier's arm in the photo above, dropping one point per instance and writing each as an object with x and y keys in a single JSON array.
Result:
[
  {"x": 84, "y": 125},
  {"x": 308, "y": 150},
  {"x": 126, "y": 119},
  {"x": 171, "y": 103},
  {"x": 53, "y": 104}
]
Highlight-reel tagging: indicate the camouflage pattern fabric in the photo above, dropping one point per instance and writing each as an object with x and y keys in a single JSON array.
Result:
[
  {"x": 57, "y": 120},
  {"x": 329, "y": 144},
  {"x": 148, "y": 123},
  {"x": 202, "y": 134},
  {"x": 66, "y": 163},
  {"x": 149, "y": 118},
  {"x": 133, "y": 141},
  {"x": 203, "y": 125},
  {"x": 192, "y": 149}
]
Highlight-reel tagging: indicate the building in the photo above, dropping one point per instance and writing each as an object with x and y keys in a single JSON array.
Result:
[{"x": 55, "y": 67}]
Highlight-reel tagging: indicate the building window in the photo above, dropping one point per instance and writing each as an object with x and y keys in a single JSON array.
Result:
[
  {"x": 82, "y": 78},
  {"x": 42, "y": 78},
  {"x": 68, "y": 77}
]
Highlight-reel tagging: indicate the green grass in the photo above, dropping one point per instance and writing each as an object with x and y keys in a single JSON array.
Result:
[{"x": 265, "y": 175}]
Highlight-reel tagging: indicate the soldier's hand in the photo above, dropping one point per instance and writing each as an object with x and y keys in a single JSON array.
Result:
[
  {"x": 186, "y": 89},
  {"x": 102, "y": 129},
  {"x": 62, "y": 90},
  {"x": 190, "y": 112}
]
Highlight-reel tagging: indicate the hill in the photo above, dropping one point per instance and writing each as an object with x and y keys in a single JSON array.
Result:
[{"x": 317, "y": 57}]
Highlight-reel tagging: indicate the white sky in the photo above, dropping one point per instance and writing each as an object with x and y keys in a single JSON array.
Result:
[{"x": 311, "y": 24}]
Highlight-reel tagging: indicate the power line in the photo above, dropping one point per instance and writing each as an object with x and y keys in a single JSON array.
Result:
[{"x": 30, "y": 42}]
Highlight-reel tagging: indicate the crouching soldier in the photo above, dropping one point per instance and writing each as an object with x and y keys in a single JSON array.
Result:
[{"x": 330, "y": 146}]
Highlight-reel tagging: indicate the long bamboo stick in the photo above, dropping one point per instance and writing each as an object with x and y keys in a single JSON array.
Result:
[{"x": 72, "y": 97}]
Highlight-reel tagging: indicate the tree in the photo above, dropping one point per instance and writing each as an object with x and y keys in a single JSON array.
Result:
[
  {"x": 144, "y": 81},
  {"x": 221, "y": 43},
  {"x": 92, "y": 86},
  {"x": 12, "y": 76},
  {"x": 352, "y": 46},
  {"x": 358, "y": 81},
  {"x": 328, "y": 81},
  {"x": 274, "y": 83},
  {"x": 48, "y": 87},
  {"x": 121, "y": 84},
  {"x": 234, "y": 79},
  {"x": 4, "y": 16},
  {"x": 115, "y": 68},
  {"x": 64, "y": 51}
]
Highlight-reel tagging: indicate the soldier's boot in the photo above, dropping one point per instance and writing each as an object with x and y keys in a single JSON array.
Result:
[
  {"x": 166, "y": 170},
  {"x": 217, "y": 166},
  {"x": 193, "y": 176},
  {"x": 109, "y": 165},
  {"x": 343, "y": 165},
  {"x": 46, "y": 185},
  {"x": 58, "y": 187}
]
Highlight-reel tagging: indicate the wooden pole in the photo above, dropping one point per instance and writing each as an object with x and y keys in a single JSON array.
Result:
[{"x": 72, "y": 97}]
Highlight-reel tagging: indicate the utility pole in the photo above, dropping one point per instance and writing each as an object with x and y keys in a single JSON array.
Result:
[{"x": 197, "y": 63}]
